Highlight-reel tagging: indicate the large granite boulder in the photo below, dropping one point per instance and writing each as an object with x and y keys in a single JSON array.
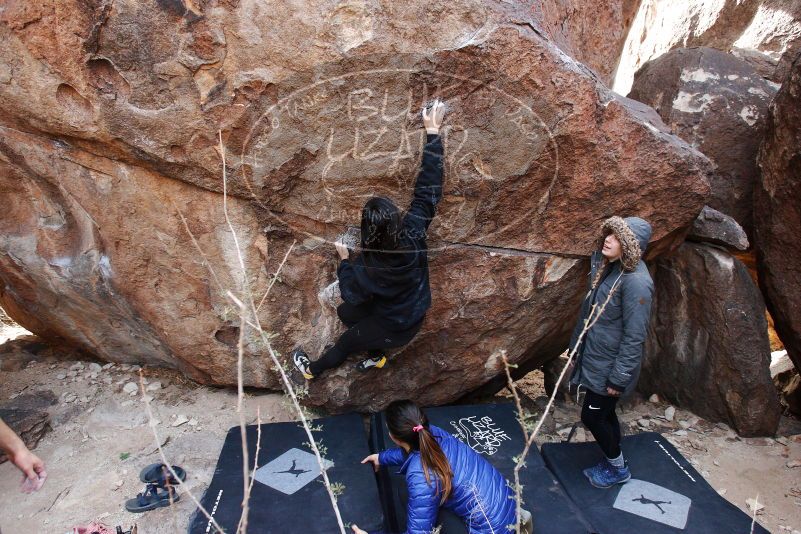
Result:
[
  {"x": 116, "y": 240},
  {"x": 768, "y": 29},
  {"x": 707, "y": 348},
  {"x": 717, "y": 103},
  {"x": 777, "y": 214}
]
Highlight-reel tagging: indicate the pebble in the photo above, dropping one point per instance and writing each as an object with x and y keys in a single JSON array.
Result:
[
  {"x": 180, "y": 419},
  {"x": 644, "y": 423},
  {"x": 130, "y": 388},
  {"x": 192, "y": 422},
  {"x": 107, "y": 366},
  {"x": 95, "y": 367},
  {"x": 76, "y": 366},
  {"x": 84, "y": 399},
  {"x": 654, "y": 398},
  {"x": 70, "y": 397},
  {"x": 685, "y": 424},
  {"x": 680, "y": 433},
  {"x": 794, "y": 463},
  {"x": 61, "y": 376},
  {"x": 670, "y": 413},
  {"x": 154, "y": 386}
]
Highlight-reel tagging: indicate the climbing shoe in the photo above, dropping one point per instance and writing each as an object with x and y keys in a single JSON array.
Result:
[
  {"x": 610, "y": 475},
  {"x": 302, "y": 363},
  {"x": 368, "y": 363}
]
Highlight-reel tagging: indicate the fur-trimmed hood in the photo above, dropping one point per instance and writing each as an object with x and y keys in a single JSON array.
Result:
[{"x": 633, "y": 234}]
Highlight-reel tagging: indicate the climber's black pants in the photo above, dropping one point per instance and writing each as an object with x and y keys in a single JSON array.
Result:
[
  {"x": 364, "y": 333},
  {"x": 598, "y": 415}
]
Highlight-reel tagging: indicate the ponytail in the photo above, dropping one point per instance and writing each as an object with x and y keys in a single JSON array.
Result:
[
  {"x": 409, "y": 424},
  {"x": 433, "y": 459}
]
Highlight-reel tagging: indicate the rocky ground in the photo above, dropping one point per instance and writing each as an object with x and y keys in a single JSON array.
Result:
[{"x": 101, "y": 438}]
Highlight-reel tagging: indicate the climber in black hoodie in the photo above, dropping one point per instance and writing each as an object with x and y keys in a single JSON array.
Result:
[{"x": 385, "y": 288}]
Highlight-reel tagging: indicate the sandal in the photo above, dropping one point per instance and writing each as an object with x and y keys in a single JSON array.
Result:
[
  {"x": 159, "y": 475},
  {"x": 151, "y": 498}
]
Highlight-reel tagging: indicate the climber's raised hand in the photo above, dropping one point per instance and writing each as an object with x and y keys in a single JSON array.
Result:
[{"x": 432, "y": 116}]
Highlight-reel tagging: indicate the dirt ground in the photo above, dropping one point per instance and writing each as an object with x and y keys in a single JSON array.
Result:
[{"x": 101, "y": 438}]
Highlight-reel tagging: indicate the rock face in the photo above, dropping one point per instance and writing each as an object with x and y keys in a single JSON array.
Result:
[
  {"x": 27, "y": 415},
  {"x": 591, "y": 32},
  {"x": 718, "y": 104},
  {"x": 707, "y": 349},
  {"x": 769, "y": 27},
  {"x": 712, "y": 226},
  {"x": 777, "y": 214},
  {"x": 116, "y": 238}
]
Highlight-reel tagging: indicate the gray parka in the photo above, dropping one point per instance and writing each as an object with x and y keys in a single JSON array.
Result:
[{"x": 610, "y": 354}]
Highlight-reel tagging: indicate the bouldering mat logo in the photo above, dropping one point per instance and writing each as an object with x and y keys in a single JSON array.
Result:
[
  {"x": 291, "y": 471},
  {"x": 654, "y": 502},
  {"x": 481, "y": 434}
]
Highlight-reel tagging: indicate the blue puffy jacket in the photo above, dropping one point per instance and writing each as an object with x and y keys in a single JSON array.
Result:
[{"x": 480, "y": 494}]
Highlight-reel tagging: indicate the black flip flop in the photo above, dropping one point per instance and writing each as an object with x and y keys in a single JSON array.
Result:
[
  {"x": 151, "y": 498},
  {"x": 160, "y": 475}
]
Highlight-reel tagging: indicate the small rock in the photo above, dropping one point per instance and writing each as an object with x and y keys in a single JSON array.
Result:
[
  {"x": 685, "y": 424},
  {"x": 107, "y": 380},
  {"x": 70, "y": 397},
  {"x": 130, "y": 388},
  {"x": 61, "y": 376},
  {"x": 126, "y": 403},
  {"x": 84, "y": 399},
  {"x": 654, "y": 398},
  {"x": 147, "y": 398},
  {"x": 125, "y": 367},
  {"x": 782, "y": 441},
  {"x": 95, "y": 367},
  {"x": 72, "y": 373},
  {"x": 644, "y": 423},
  {"x": 716, "y": 463},
  {"x": 193, "y": 422},
  {"x": 755, "y": 507},
  {"x": 180, "y": 419},
  {"x": 792, "y": 464},
  {"x": 76, "y": 366},
  {"x": 670, "y": 413},
  {"x": 154, "y": 386},
  {"x": 107, "y": 366},
  {"x": 722, "y": 491},
  {"x": 680, "y": 433}
]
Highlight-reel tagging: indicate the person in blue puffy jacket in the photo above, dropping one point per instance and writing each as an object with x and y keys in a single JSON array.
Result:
[{"x": 441, "y": 471}]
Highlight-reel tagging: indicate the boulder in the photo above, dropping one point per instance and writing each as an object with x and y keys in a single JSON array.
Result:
[
  {"x": 27, "y": 415},
  {"x": 770, "y": 27},
  {"x": 718, "y": 104},
  {"x": 591, "y": 32},
  {"x": 712, "y": 226},
  {"x": 117, "y": 240},
  {"x": 707, "y": 349},
  {"x": 777, "y": 214}
]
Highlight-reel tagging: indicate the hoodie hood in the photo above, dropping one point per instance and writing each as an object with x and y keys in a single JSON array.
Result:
[{"x": 633, "y": 234}]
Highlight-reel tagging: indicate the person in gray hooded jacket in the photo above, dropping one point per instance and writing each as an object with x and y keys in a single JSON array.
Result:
[{"x": 617, "y": 310}]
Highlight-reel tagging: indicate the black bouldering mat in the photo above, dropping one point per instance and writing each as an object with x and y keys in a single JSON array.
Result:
[
  {"x": 491, "y": 430},
  {"x": 288, "y": 495},
  {"x": 665, "y": 495}
]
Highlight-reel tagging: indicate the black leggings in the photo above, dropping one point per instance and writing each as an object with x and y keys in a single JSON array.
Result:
[
  {"x": 364, "y": 333},
  {"x": 598, "y": 415}
]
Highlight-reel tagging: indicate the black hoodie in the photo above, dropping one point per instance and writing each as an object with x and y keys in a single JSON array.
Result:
[{"x": 396, "y": 282}]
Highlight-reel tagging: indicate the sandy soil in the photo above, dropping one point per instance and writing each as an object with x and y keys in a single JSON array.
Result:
[{"x": 101, "y": 438}]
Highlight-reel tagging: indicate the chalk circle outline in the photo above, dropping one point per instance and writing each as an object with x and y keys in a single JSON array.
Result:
[{"x": 280, "y": 104}]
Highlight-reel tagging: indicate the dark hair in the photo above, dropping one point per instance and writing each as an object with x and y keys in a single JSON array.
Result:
[
  {"x": 381, "y": 224},
  {"x": 402, "y": 417}
]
